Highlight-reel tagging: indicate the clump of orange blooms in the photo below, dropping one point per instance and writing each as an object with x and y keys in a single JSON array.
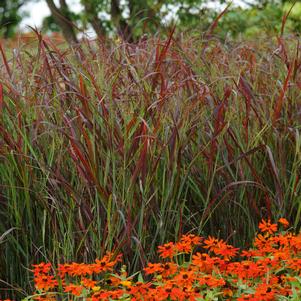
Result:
[{"x": 194, "y": 268}]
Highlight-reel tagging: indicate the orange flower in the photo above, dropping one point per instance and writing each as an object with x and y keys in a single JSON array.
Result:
[
  {"x": 184, "y": 278},
  {"x": 167, "y": 250},
  {"x": 246, "y": 298},
  {"x": 266, "y": 226},
  {"x": 45, "y": 282},
  {"x": 63, "y": 269},
  {"x": 153, "y": 268},
  {"x": 227, "y": 251},
  {"x": 114, "y": 281},
  {"x": 75, "y": 290},
  {"x": 284, "y": 222},
  {"x": 203, "y": 262},
  {"x": 264, "y": 292},
  {"x": 169, "y": 268},
  {"x": 169, "y": 291},
  {"x": 227, "y": 292},
  {"x": 79, "y": 269},
  {"x": 106, "y": 263},
  {"x": 41, "y": 268},
  {"x": 187, "y": 242},
  {"x": 86, "y": 282},
  {"x": 140, "y": 290},
  {"x": 211, "y": 281},
  {"x": 211, "y": 243}
]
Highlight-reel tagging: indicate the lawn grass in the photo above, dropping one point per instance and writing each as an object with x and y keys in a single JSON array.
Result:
[{"x": 116, "y": 146}]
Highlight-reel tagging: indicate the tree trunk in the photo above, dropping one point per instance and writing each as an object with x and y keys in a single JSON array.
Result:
[
  {"x": 91, "y": 13},
  {"x": 63, "y": 4},
  {"x": 96, "y": 24},
  {"x": 123, "y": 28},
  {"x": 144, "y": 14},
  {"x": 63, "y": 20}
]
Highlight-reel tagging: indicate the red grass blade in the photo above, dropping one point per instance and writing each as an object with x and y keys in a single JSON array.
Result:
[
  {"x": 1, "y": 99},
  {"x": 284, "y": 18},
  {"x": 160, "y": 55},
  {"x": 245, "y": 89},
  {"x": 142, "y": 162},
  {"x": 215, "y": 22},
  {"x": 5, "y": 60},
  {"x": 276, "y": 176},
  {"x": 280, "y": 101}
]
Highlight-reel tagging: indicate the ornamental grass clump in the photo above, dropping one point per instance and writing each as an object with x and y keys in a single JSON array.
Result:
[
  {"x": 124, "y": 146},
  {"x": 194, "y": 268}
]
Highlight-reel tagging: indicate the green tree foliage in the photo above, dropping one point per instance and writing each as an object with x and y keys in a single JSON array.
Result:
[
  {"x": 252, "y": 21},
  {"x": 133, "y": 18},
  {"x": 261, "y": 17},
  {"x": 10, "y": 16},
  {"x": 294, "y": 22}
]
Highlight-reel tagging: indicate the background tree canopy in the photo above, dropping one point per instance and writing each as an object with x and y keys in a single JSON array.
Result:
[
  {"x": 10, "y": 16},
  {"x": 133, "y": 18}
]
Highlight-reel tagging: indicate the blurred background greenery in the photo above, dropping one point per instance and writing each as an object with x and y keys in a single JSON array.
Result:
[{"x": 134, "y": 18}]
